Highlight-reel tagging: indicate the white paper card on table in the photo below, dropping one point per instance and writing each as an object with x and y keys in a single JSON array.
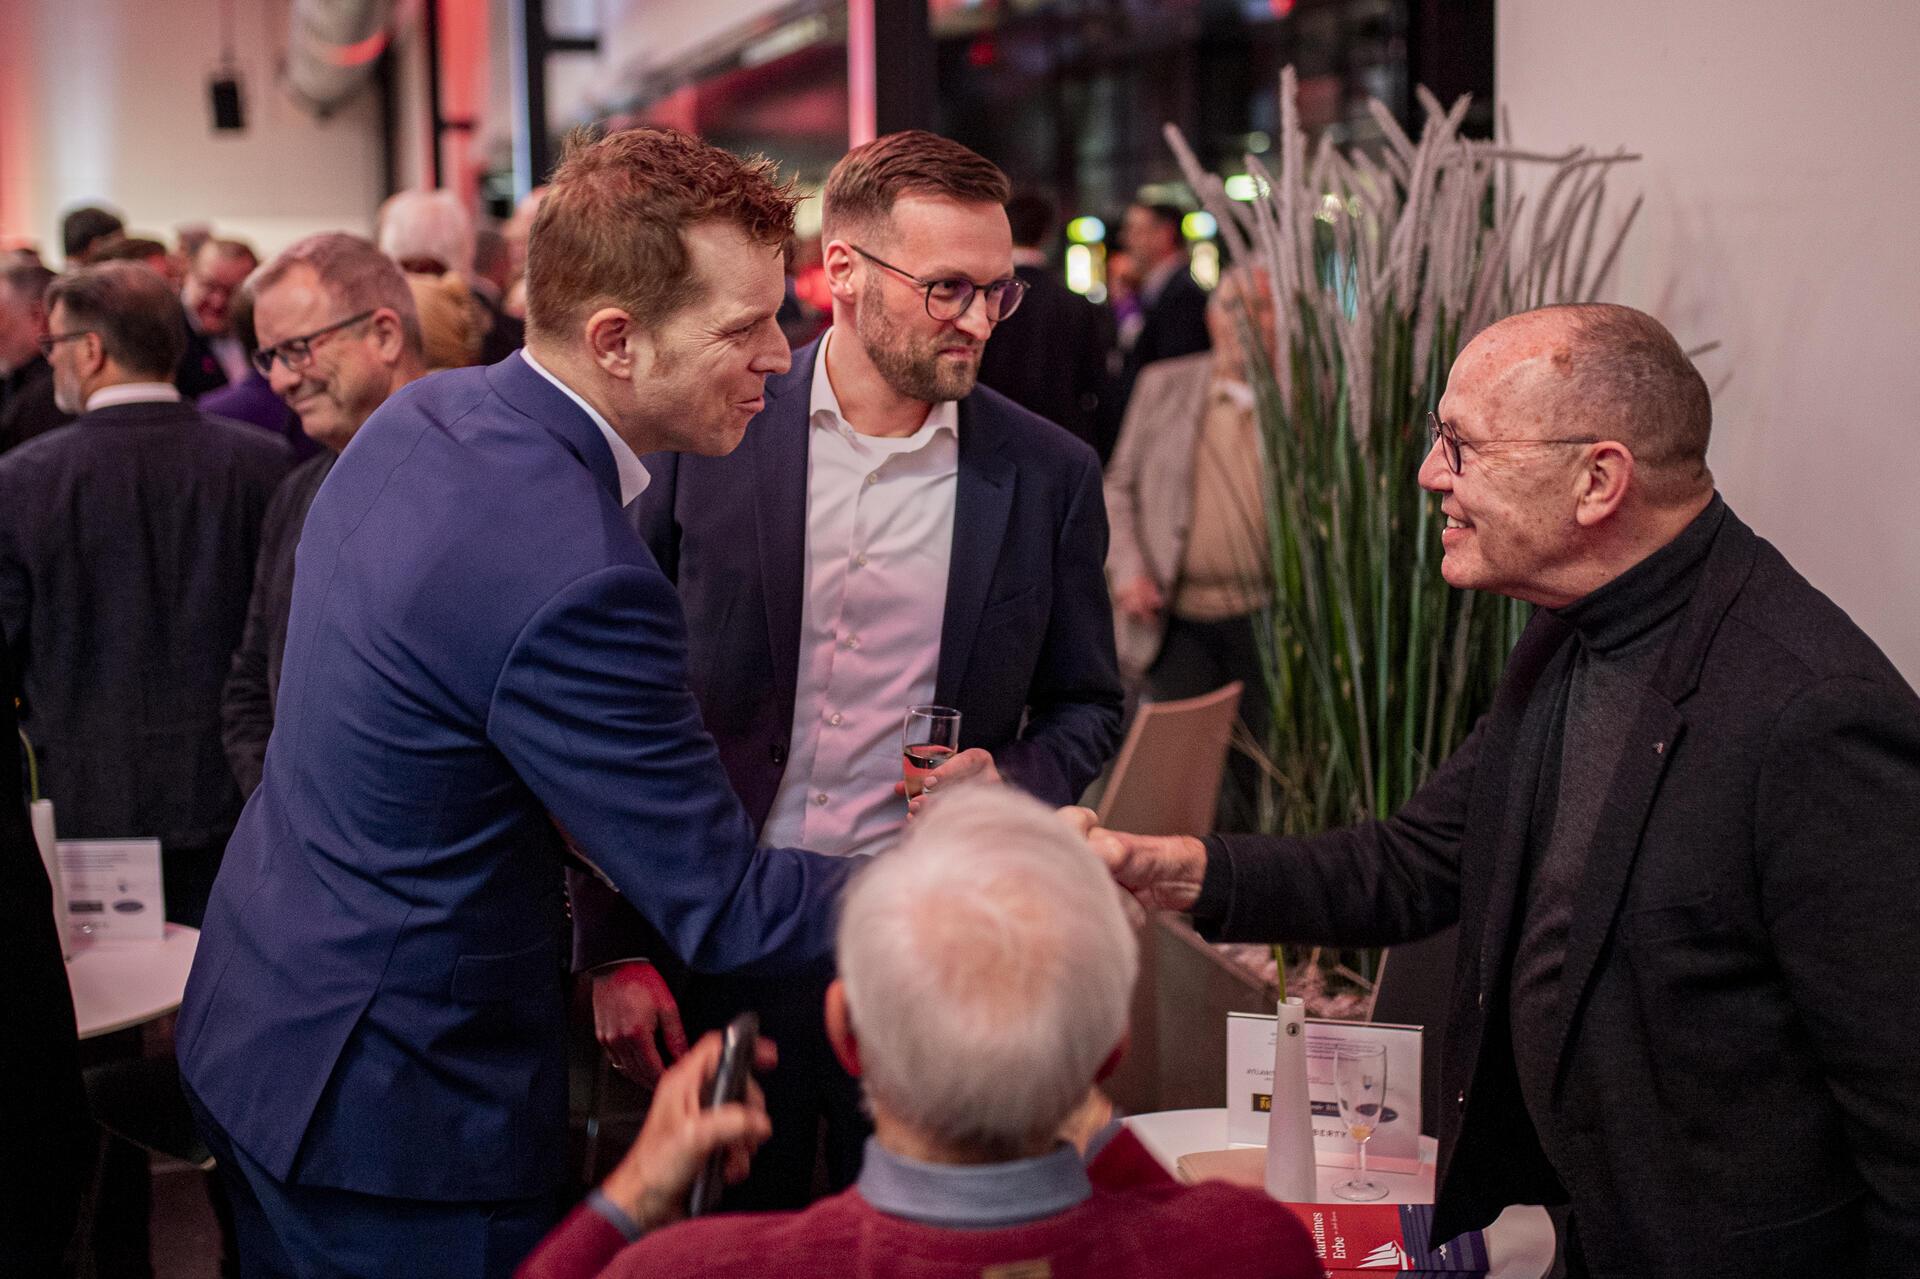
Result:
[
  {"x": 1290, "y": 1144},
  {"x": 113, "y": 889},
  {"x": 1395, "y": 1146},
  {"x": 42, "y": 814}
]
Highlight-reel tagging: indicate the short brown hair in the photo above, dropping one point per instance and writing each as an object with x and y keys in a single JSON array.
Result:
[
  {"x": 872, "y": 178},
  {"x": 610, "y": 230},
  {"x": 134, "y": 310}
]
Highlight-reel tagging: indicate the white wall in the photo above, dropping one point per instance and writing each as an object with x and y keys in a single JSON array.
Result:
[
  {"x": 116, "y": 95},
  {"x": 1782, "y": 176}
]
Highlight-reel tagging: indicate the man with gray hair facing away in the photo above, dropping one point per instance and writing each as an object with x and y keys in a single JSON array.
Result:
[
  {"x": 338, "y": 334},
  {"x": 985, "y": 971}
]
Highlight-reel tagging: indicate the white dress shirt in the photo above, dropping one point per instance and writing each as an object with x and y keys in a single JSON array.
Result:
[
  {"x": 633, "y": 475},
  {"x": 134, "y": 393},
  {"x": 879, "y": 540}
]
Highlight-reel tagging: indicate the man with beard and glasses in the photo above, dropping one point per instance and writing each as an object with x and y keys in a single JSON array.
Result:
[{"x": 887, "y": 535}]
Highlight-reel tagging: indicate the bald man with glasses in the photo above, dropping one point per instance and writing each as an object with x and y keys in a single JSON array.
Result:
[{"x": 338, "y": 334}]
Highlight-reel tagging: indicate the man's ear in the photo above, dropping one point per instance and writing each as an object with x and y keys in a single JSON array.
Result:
[
  {"x": 838, "y": 260},
  {"x": 1114, "y": 1058},
  {"x": 89, "y": 356},
  {"x": 846, "y": 1045},
  {"x": 618, "y": 344},
  {"x": 388, "y": 336},
  {"x": 1603, "y": 482}
]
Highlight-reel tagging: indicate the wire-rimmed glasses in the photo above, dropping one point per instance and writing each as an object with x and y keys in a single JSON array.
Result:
[{"x": 1451, "y": 443}]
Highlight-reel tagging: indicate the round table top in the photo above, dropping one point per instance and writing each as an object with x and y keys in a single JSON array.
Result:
[
  {"x": 1520, "y": 1243},
  {"x": 121, "y": 984}
]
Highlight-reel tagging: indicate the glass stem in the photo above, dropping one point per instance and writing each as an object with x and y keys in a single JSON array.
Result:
[{"x": 1360, "y": 1162}]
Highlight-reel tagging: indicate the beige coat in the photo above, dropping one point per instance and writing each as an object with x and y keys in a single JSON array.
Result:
[{"x": 1149, "y": 492}]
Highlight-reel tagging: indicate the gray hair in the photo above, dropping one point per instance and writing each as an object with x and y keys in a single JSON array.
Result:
[
  {"x": 359, "y": 276},
  {"x": 427, "y": 226},
  {"x": 987, "y": 966},
  {"x": 134, "y": 311},
  {"x": 1626, "y": 378}
]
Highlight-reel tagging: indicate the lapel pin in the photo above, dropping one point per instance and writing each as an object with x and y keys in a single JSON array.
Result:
[{"x": 1659, "y": 748}]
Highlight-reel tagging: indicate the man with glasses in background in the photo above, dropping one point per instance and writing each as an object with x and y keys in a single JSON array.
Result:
[
  {"x": 338, "y": 334},
  {"x": 887, "y": 535}
]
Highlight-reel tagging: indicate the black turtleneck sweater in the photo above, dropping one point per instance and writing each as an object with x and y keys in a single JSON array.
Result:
[{"x": 1576, "y": 726}]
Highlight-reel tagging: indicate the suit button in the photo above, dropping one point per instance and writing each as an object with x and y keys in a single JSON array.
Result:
[
  {"x": 1461, "y": 1100},
  {"x": 778, "y": 754},
  {"x": 1481, "y": 999}
]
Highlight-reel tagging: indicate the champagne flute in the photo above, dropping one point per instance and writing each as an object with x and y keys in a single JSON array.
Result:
[
  {"x": 1360, "y": 1086},
  {"x": 929, "y": 738}
]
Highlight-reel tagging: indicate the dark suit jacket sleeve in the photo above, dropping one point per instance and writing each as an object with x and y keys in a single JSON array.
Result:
[
  {"x": 593, "y": 711},
  {"x": 1376, "y": 884},
  {"x": 606, "y": 930},
  {"x": 1838, "y": 833},
  {"x": 1075, "y": 702}
]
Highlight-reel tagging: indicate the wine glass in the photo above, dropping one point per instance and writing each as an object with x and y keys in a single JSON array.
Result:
[
  {"x": 1360, "y": 1086},
  {"x": 928, "y": 739}
]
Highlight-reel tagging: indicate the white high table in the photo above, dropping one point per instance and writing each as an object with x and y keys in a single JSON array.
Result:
[
  {"x": 1519, "y": 1243},
  {"x": 117, "y": 985}
]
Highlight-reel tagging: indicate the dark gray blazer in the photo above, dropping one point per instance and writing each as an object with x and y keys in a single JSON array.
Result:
[
  {"x": 127, "y": 542},
  {"x": 253, "y": 681},
  {"x": 1738, "y": 1092}
]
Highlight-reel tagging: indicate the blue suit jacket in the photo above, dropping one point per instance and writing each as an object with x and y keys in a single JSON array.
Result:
[
  {"x": 478, "y": 640},
  {"x": 1026, "y": 645}
]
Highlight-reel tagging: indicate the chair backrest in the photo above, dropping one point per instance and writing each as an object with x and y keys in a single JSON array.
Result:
[{"x": 1166, "y": 780}]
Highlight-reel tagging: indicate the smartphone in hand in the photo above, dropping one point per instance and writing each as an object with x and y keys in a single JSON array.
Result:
[{"x": 729, "y": 1085}]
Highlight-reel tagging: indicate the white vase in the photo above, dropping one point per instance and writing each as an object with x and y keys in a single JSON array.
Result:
[{"x": 1290, "y": 1175}]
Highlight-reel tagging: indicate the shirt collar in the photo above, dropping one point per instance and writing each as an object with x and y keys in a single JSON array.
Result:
[
  {"x": 943, "y": 416},
  {"x": 633, "y": 474},
  {"x": 973, "y": 1196},
  {"x": 133, "y": 393}
]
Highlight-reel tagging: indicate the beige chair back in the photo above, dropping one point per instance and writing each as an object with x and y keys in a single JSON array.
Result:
[{"x": 1167, "y": 778}]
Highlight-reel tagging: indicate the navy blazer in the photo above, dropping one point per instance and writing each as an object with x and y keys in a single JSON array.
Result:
[
  {"x": 1026, "y": 644},
  {"x": 478, "y": 642}
]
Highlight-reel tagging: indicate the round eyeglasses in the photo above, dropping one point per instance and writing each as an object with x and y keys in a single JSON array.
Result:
[
  {"x": 949, "y": 299},
  {"x": 1451, "y": 443}
]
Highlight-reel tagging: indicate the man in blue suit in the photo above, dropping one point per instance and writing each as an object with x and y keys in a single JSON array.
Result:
[
  {"x": 889, "y": 535},
  {"x": 483, "y": 658}
]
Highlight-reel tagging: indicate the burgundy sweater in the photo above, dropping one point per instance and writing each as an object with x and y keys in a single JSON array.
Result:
[{"x": 1139, "y": 1222}]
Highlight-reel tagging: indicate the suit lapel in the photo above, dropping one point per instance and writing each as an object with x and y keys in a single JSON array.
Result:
[
  {"x": 1658, "y": 728},
  {"x": 779, "y": 476},
  {"x": 1493, "y": 808},
  {"x": 522, "y": 386},
  {"x": 983, "y": 500}
]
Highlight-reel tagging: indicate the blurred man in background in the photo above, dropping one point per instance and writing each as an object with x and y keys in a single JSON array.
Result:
[
  {"x": 27, "y": 405},
  {"x": 215, "y": 356},
  {"x": 1049, "y": 356},
  {"x": 85, "y": 229},
  {"x": 339, "y": 335}
]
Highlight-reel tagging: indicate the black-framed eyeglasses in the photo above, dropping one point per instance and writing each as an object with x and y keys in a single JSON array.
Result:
[
  {"x": 1451, "y": 443},
  {"x": 297, "y": 353},
  {"x": 52, "y": 340},
  {"x": 949, "y": 299}
]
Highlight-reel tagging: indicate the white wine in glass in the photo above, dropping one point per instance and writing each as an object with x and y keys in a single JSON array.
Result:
[
  {"x": 929, "y": 738},
  {"x": 1360, "y": 1086}
]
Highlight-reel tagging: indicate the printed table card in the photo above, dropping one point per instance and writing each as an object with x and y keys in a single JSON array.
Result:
[{"x": 113, "y": 889}]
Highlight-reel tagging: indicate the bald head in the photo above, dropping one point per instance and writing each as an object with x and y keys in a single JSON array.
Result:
[{"x": 1604, "y": 372}]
